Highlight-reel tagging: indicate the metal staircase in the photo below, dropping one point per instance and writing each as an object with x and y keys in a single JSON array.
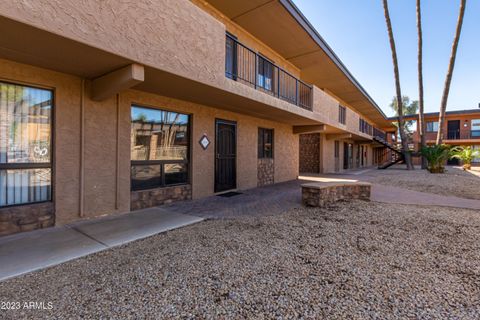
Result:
[{"x": 392, "y": 154}]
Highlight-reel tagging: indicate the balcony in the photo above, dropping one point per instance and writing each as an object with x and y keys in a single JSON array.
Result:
[
  {"x": 378, "y": 133},
  {"x": 244, "y": 65},
  {"x": 365, "y": 127},
  {"x": 458, "y": 135}
]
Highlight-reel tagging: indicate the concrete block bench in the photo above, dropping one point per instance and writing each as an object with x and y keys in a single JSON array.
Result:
[{"x": 320, "y": 194}]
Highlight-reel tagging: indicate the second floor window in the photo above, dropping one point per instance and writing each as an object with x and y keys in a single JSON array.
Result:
[
  {"x": 265, "y": 73},
  {"x": 432, "y": 126},
  {"x": 475, "y": 128},
  {"x": 231, "y": 56},
  {"x": 342, "y": 114}
]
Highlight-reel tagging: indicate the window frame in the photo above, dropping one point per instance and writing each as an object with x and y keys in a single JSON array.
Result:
[
  {"x": 474, "y": 132},
  {"x": 261, "y": 146},
  {"x": 162, "y": 163},
  {"x": 39, "y": 165},
  {"x": 230, "y": 37},
  {"x": 475, "y": 123},
  {"x": 433, "y": 126},
  {"x": 342, "y": 114},
  {"x": 261, "y": 73}
]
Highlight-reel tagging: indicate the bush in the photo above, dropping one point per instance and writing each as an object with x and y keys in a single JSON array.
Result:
[
  {"x": 466, "y": 155},
  {"x": 436, "y": 156}
]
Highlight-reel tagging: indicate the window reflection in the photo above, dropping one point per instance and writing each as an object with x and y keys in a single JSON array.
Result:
[
  {"x": 25, "y": 124},
  {"x": 159, "y": 148},
  {"x": 159, "y": 135},
  {"x": 25, "y": 144}
]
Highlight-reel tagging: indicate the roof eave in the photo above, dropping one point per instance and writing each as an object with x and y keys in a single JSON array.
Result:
[{"x": 306, "y": 25}]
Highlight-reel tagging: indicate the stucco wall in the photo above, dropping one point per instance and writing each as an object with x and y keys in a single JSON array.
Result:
[
  {"x": 107, "y": 134},
  {"x": 182, "y": 37},
  {"x": 326, "y": 106},
  {"x": 171, "y": 35},
  {"x": 327, "y": 154}
]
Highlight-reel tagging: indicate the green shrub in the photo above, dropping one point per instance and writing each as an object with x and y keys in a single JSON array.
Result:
[
  {"x": 436, "y": 156},
  {"x": 466, "y": 155}
]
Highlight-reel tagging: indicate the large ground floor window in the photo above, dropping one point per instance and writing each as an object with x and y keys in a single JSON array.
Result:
[
  {"x": 160, "y": 148},
  {"x": 25, "y": 144}
]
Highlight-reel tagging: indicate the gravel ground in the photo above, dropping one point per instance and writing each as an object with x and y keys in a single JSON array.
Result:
[
  {"x": 356, "y": 260},
  {"x": 456, "y": 182}
]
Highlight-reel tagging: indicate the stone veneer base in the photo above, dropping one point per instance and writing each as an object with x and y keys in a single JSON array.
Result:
[
  {"x": 155, "y": 197},
  {"x": 309, "y": 161},
  {"x": 26, "y": 217},
  {"x": 266, "y": 172},
  {"x": 323, "y": 194}
]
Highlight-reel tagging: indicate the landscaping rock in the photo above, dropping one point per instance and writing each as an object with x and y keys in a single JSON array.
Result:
[{"x": 352, "y": 260}]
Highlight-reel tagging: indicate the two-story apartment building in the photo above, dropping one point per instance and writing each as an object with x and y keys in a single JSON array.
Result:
[
  {"x": 460, "y": 128},
  {"x": 107, "y": 107}
]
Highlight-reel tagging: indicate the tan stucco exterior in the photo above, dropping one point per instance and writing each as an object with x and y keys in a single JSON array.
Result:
[
  {"x": 175, "y": 39},
  {"x": 102, "y": 193},
  {"x": 164, "y": 38},
  {"x": 71, "y": 47}
]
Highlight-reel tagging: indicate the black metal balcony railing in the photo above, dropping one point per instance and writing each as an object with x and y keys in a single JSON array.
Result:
[
  {"x": 458, "y": 135},
  {"x": 245, "y": 65},
  {"x": 379, "y": 134},
  {"x": 365, "y": 127}
]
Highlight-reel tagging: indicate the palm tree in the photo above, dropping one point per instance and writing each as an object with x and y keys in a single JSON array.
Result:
[
  {"x": 451, "y": 65},
  {"x": 436, "y": 156},
  {"x": 421, "y": 117},
  {"x": 401, "y": 122}
]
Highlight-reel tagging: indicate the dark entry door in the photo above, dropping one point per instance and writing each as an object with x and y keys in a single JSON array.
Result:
[
  {"x": 347, "y": 156},
  {"x": 225, "y": 155},
  {"x": 453, "y": 128}
]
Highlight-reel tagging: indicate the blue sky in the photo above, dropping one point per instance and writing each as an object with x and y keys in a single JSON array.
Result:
[{"x": 357, "y": 33}]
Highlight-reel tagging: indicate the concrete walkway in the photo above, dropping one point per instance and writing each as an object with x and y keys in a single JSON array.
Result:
[
  {"x": 26, "y": 252},
  {"x": 395, "y": 195}
]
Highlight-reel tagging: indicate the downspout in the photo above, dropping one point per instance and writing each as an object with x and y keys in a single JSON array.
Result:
[{"x": 82, "y": 149}]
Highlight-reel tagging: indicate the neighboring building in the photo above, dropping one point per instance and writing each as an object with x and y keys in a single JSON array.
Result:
[
  {"x": 107, "y": 107},
  {"x": 461, "y": 128}
]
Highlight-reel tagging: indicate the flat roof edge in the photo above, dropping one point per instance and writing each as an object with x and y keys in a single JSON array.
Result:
[{"x": 436, "y": 114}]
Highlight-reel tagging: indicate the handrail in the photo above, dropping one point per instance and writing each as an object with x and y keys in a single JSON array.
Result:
[
  {"x": 379, "y": 133},
  {"x": 459, "y": 135},
  {"x": 251, "y": 68},
  {"x": 365, "y": 127}
]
